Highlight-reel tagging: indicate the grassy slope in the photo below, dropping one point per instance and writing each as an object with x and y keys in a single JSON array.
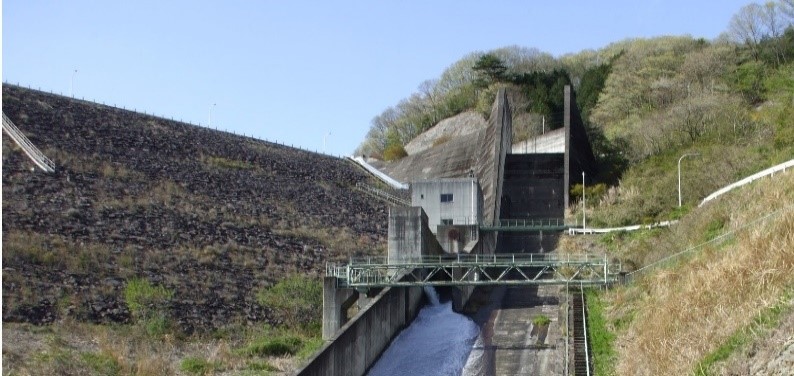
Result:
[{"x": 675, "y": 315}]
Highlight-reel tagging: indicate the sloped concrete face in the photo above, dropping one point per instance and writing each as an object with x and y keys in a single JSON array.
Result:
[
  {"x": 461, "y": 124},
  {"x": 453, "y": 159}
]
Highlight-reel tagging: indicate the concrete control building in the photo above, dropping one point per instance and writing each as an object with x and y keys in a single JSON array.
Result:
[
  {"x": 454, "y": 201},
  {"x": 454, "y": 210}
]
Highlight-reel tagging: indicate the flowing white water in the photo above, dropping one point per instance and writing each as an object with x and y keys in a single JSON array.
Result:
[{"x": 437, "y": 342}]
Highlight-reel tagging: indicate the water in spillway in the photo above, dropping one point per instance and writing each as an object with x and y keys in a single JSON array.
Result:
[{"x": 437, "y": 342}]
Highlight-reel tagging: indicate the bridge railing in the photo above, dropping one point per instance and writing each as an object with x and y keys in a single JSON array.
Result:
[
  {"x": 475, "y": 269},
  {"x": 496, "y": 258},
  {"x": 545, "y": 222}
]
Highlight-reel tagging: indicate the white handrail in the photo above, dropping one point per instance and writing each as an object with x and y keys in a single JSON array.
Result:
[
  {"x": 380, "y": 175},
  {"x": 769, "y": 171},
  {"x": 31, "y": 150}
]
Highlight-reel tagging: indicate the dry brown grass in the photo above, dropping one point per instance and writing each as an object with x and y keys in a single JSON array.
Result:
[
  {"x": 74, "y": 348},
  {"x": 680, "y": 313}
]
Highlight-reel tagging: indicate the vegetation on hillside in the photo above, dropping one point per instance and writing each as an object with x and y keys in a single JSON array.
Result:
[{"x": 735, "y": 268}]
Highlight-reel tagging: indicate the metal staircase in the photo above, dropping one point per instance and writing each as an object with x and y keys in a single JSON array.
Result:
[{"x": 31, "y": 150}]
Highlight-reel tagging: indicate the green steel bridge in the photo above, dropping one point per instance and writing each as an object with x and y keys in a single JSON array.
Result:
[{"x": 475, "y": 270}]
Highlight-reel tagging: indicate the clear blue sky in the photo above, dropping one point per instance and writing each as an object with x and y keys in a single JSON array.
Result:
[{"x": 293, "y": 71}]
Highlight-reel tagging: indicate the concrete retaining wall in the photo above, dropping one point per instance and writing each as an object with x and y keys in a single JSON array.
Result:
[{"x": 359, "y": 343}]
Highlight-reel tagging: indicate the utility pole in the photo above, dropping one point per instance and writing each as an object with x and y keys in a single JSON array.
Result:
[
  {"x": 325, "y": 137},
  {"x": 584, "y": 207},
  {"x": 71, "y": 84},
  {"x": 209, "y": 121}
]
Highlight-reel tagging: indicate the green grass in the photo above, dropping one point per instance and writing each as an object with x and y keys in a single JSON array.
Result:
[
  {"x": 602, "y": 340},
  {"x": 273, "y": 346},
  {"x": 297, "y": 301},
  {"x": 541, "y": 320},
  {"x": 262, "y": 367},
  {"x": 139, "y": 294},
  {"x": 767, "y": 319},
  {"x": 102, "y": 363},
  {"x": 199, "y": 366}
]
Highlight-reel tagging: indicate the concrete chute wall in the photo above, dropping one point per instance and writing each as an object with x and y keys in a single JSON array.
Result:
[
  {"x": 578, "y": 151},
  {"x": 489, "y": 168},
  {"x": 359, "y": 343}
]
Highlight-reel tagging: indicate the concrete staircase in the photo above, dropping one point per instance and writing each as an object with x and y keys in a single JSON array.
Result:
[{"x": 31, "y": 150}]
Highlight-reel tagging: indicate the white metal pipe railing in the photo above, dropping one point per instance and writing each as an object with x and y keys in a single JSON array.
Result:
[
  {"x": 770, "y": 171},
  {"x": 584, "y": 327},
  {"x": 30, "y": 150}
]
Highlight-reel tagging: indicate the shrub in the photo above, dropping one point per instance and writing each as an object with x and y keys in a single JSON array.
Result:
[
  {"x": 141, "y": 296},
  {"x": 157, "y": 325},
  {"x": 297, "y": 301},
  {"x": 394, "y": 152},
  {"x": 541, "y": 320},
  {"x": 275, "y": 346}
]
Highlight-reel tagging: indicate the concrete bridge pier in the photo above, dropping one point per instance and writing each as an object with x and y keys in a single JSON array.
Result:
[{"x": 336, "y": 302}]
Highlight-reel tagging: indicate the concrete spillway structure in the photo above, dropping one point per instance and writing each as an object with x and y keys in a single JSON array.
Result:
[
  {"x": 503, "y": 183},
  {"x": 354, "y": 345}
]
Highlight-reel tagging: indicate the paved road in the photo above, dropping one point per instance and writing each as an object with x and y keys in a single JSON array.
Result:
[{"x": 509, "y": 343}]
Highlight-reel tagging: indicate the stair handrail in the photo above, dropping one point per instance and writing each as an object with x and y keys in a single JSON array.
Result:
[
  {"x": 35, "y": 155},
  {"x": 382, "y": 194}
]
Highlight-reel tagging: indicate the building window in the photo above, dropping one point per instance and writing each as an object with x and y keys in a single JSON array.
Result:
[
  {"x": 446, "y": 222},
  {"x": 446, "y": 197}
]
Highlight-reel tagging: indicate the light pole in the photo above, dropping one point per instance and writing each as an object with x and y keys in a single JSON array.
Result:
[
  {"x": 209, "y": 122},
  {"x": 325, "y": 137},
  {"x": 679, "y": 174},
  {"x": 71, "y": 84},
  {"x": 584, "y": 208}
]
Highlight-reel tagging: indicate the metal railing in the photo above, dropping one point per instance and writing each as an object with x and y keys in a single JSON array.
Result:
[
  {"x": 551, "y": 224},
  {"x": 388, "y": 197},
  {"x": 31, "y": 150},
  {"x": 477, "y": 269},
  {"x": 768, "y": 172}
]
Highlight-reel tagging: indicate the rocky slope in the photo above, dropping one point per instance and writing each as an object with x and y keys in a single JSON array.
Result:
[{"x": 211, "y": 216}]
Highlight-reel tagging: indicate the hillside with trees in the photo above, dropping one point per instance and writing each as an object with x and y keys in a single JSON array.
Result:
[{"x": 645, "y": 102}]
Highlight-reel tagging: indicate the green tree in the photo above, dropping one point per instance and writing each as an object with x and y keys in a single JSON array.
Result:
[
  {"x": 592, "y": 84},
  {"x": 489, "y": 69}
]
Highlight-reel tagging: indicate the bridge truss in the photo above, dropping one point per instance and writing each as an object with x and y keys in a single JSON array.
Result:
[{"x": 475, "y": 270}]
